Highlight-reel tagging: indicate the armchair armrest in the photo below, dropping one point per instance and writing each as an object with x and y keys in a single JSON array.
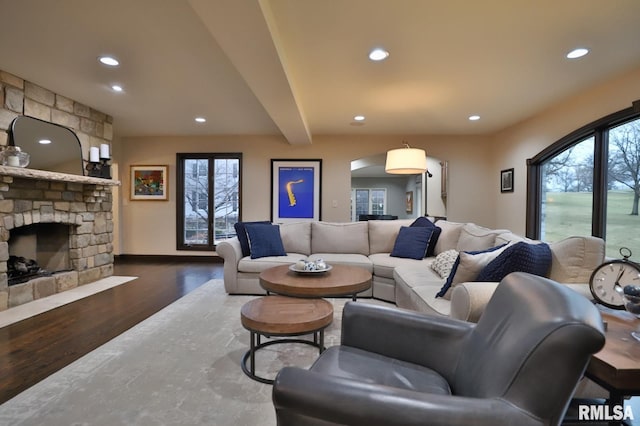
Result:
[
  {"x": 397, "y": 333},
  {"x": 468, "y": 300},
  {"x": 303, "y": 397}
]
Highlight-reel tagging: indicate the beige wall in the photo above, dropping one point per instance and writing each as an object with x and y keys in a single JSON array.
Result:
[
  {"x": 512, "y": 147},
  {"x": 150, "y": 227},
  {"x": 474, "y": 167}
]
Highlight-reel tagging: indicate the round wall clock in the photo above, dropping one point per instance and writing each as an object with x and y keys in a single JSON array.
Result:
[{"x": 608, "y": 280}]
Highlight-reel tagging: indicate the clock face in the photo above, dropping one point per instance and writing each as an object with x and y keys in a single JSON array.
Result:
[{"x": 608, "y": 280}]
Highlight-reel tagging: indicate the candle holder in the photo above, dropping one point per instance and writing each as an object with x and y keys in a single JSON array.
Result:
[
  {"x": 13, "y": 156},
  {"x": 98, "y": 164},
  {"x": 99, "y": 169}
]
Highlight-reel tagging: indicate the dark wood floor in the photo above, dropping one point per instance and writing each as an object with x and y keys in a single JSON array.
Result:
[{"x": 35, "y": 348}]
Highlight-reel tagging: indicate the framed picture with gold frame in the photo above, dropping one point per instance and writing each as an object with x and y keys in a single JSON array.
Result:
[{"x": 149, "y": 183}]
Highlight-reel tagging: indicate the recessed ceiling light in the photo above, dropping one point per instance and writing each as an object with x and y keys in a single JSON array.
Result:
[
  {"x": 577, "y": 53},
  {"x": 201, "y": 119},
  {"x": 359, "y": 117},
  {"x": 109, "y": 60},
  {"x": 44, "y": 141},
  {"x": 117, "y": 88},
  {"x": 378, "y": 54},
  {"x": 474, "y": 117}
]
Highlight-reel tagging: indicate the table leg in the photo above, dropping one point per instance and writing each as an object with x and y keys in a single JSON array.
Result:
[
  {"x": 615, "y": 399},
  {"x": 321, "y": 345},
  {"x": 252, "y": 351}
]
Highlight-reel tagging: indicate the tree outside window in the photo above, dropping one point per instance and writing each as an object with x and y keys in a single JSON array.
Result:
[
  {"x": 588, "y": 183},
  {"x": 208, "y": 199}
]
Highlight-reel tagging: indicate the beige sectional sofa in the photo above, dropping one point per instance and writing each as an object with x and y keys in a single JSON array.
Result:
[{"x": 409, "y": 283}]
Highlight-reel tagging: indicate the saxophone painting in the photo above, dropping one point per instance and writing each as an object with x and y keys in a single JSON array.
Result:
[
  {"x": 289, "y": 186},
  {"x": 297, "y": 186}
]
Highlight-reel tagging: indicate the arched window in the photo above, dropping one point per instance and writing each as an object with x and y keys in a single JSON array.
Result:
[{"x": 588, "y": 183}]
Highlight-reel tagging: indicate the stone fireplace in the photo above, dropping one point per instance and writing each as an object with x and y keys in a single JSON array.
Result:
[{"x": 63, "y": 221}]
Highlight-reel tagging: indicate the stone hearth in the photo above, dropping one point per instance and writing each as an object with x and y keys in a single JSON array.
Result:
[{"x": 30, "y": 197}]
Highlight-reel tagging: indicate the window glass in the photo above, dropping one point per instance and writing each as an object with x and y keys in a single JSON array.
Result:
[
  {"x": 225, "y": 210},
  {"x": 362, "y": 202},
  {"x": 567, "y": 193},
  {"x": 208, "y": 188},
  {"x": 377, "y": 201},
  {"x": 623, "y": 189},
  {"x": 368, "y": 201},
  {"x": 196, "y": 202}
]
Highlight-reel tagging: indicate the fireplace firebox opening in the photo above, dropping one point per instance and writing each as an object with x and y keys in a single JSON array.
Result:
[{"x": 37, "y": 250}]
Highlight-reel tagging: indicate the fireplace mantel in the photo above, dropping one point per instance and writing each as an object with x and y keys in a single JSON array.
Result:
[{"x": 54, "y": 176}]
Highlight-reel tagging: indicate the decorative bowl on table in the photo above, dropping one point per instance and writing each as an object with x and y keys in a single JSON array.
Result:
[
  {"x": 631, "y": 294},
  {"x": 305, "y": 267}
]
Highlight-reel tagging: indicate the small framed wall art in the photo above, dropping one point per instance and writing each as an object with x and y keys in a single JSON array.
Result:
[
  {"x": 295, "y": 190},
  {"x": 149, "y": 183},
  {"x": 409, "y": 202},
  {"x": 506, "y": 180}
]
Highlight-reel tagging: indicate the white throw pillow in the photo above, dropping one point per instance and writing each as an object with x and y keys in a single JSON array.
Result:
[{"x": 443, "y": 262}]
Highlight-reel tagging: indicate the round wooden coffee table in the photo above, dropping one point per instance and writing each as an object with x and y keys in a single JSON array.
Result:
[
  {"x": 283, "y": 316},
  {"x": 341, "y": 280}
]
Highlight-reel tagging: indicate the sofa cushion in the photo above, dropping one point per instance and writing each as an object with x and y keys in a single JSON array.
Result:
[
  {"x": 383, "y": 233},
  {"x": 296, "y": 237},
  {"x": 474, "y": 237},
  {"x": 443, "y": 263},
  {"x": 349, "y": 237},
  {"x": 416, "y": 288},
  {"x": 511, "y": 237},
  {"x": 519, "y": 257},
  {"x": 426, "y": 223},
  {"x": 253, "y": 266},
  {"x": 264, "y": 240},
  {"x": 241, "y": 233},
  {"x": 412, "y": 242},
  {"x": 449, "y": 235},
  {"x": 575, "y": 258},
  {"x": 467, "y": 267},
  {"x": 344, "y": 259},
  {"x": 384, "y": 264}
]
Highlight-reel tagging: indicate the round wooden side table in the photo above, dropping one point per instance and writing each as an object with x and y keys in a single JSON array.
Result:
[{"x": 283, "y": 316}]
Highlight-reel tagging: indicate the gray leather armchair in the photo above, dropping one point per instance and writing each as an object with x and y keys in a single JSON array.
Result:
[{"x": 519, "y": 365}]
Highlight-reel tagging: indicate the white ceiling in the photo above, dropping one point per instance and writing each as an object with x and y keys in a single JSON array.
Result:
[{"x": 299, "y": 67}]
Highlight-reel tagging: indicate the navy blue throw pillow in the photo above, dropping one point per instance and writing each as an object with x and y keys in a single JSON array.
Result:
[
  {"x": 412, "y": 243},
  {"x": 241, "y": 232},
  {"x": 521, "y": 257},
  {"x": 265, "y": 240},
  {"x": 424, "y": 222}
]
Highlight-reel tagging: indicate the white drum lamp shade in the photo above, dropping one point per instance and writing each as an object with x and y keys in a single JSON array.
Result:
[{"x": 406, "y": 161}]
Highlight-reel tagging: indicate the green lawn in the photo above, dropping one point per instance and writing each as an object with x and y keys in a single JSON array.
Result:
[{"x": 569, "y": 213}]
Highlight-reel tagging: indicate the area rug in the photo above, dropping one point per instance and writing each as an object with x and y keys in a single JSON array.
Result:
[
  {"x": 180, "y": 366},
  {"x": 39, "y": 306}
]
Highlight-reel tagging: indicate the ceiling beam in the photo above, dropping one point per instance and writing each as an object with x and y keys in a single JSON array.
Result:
[{"x": 246, "y": 32}]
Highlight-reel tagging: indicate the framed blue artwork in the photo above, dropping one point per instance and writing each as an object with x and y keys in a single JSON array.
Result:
[{"x": 295, "y": 190}]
